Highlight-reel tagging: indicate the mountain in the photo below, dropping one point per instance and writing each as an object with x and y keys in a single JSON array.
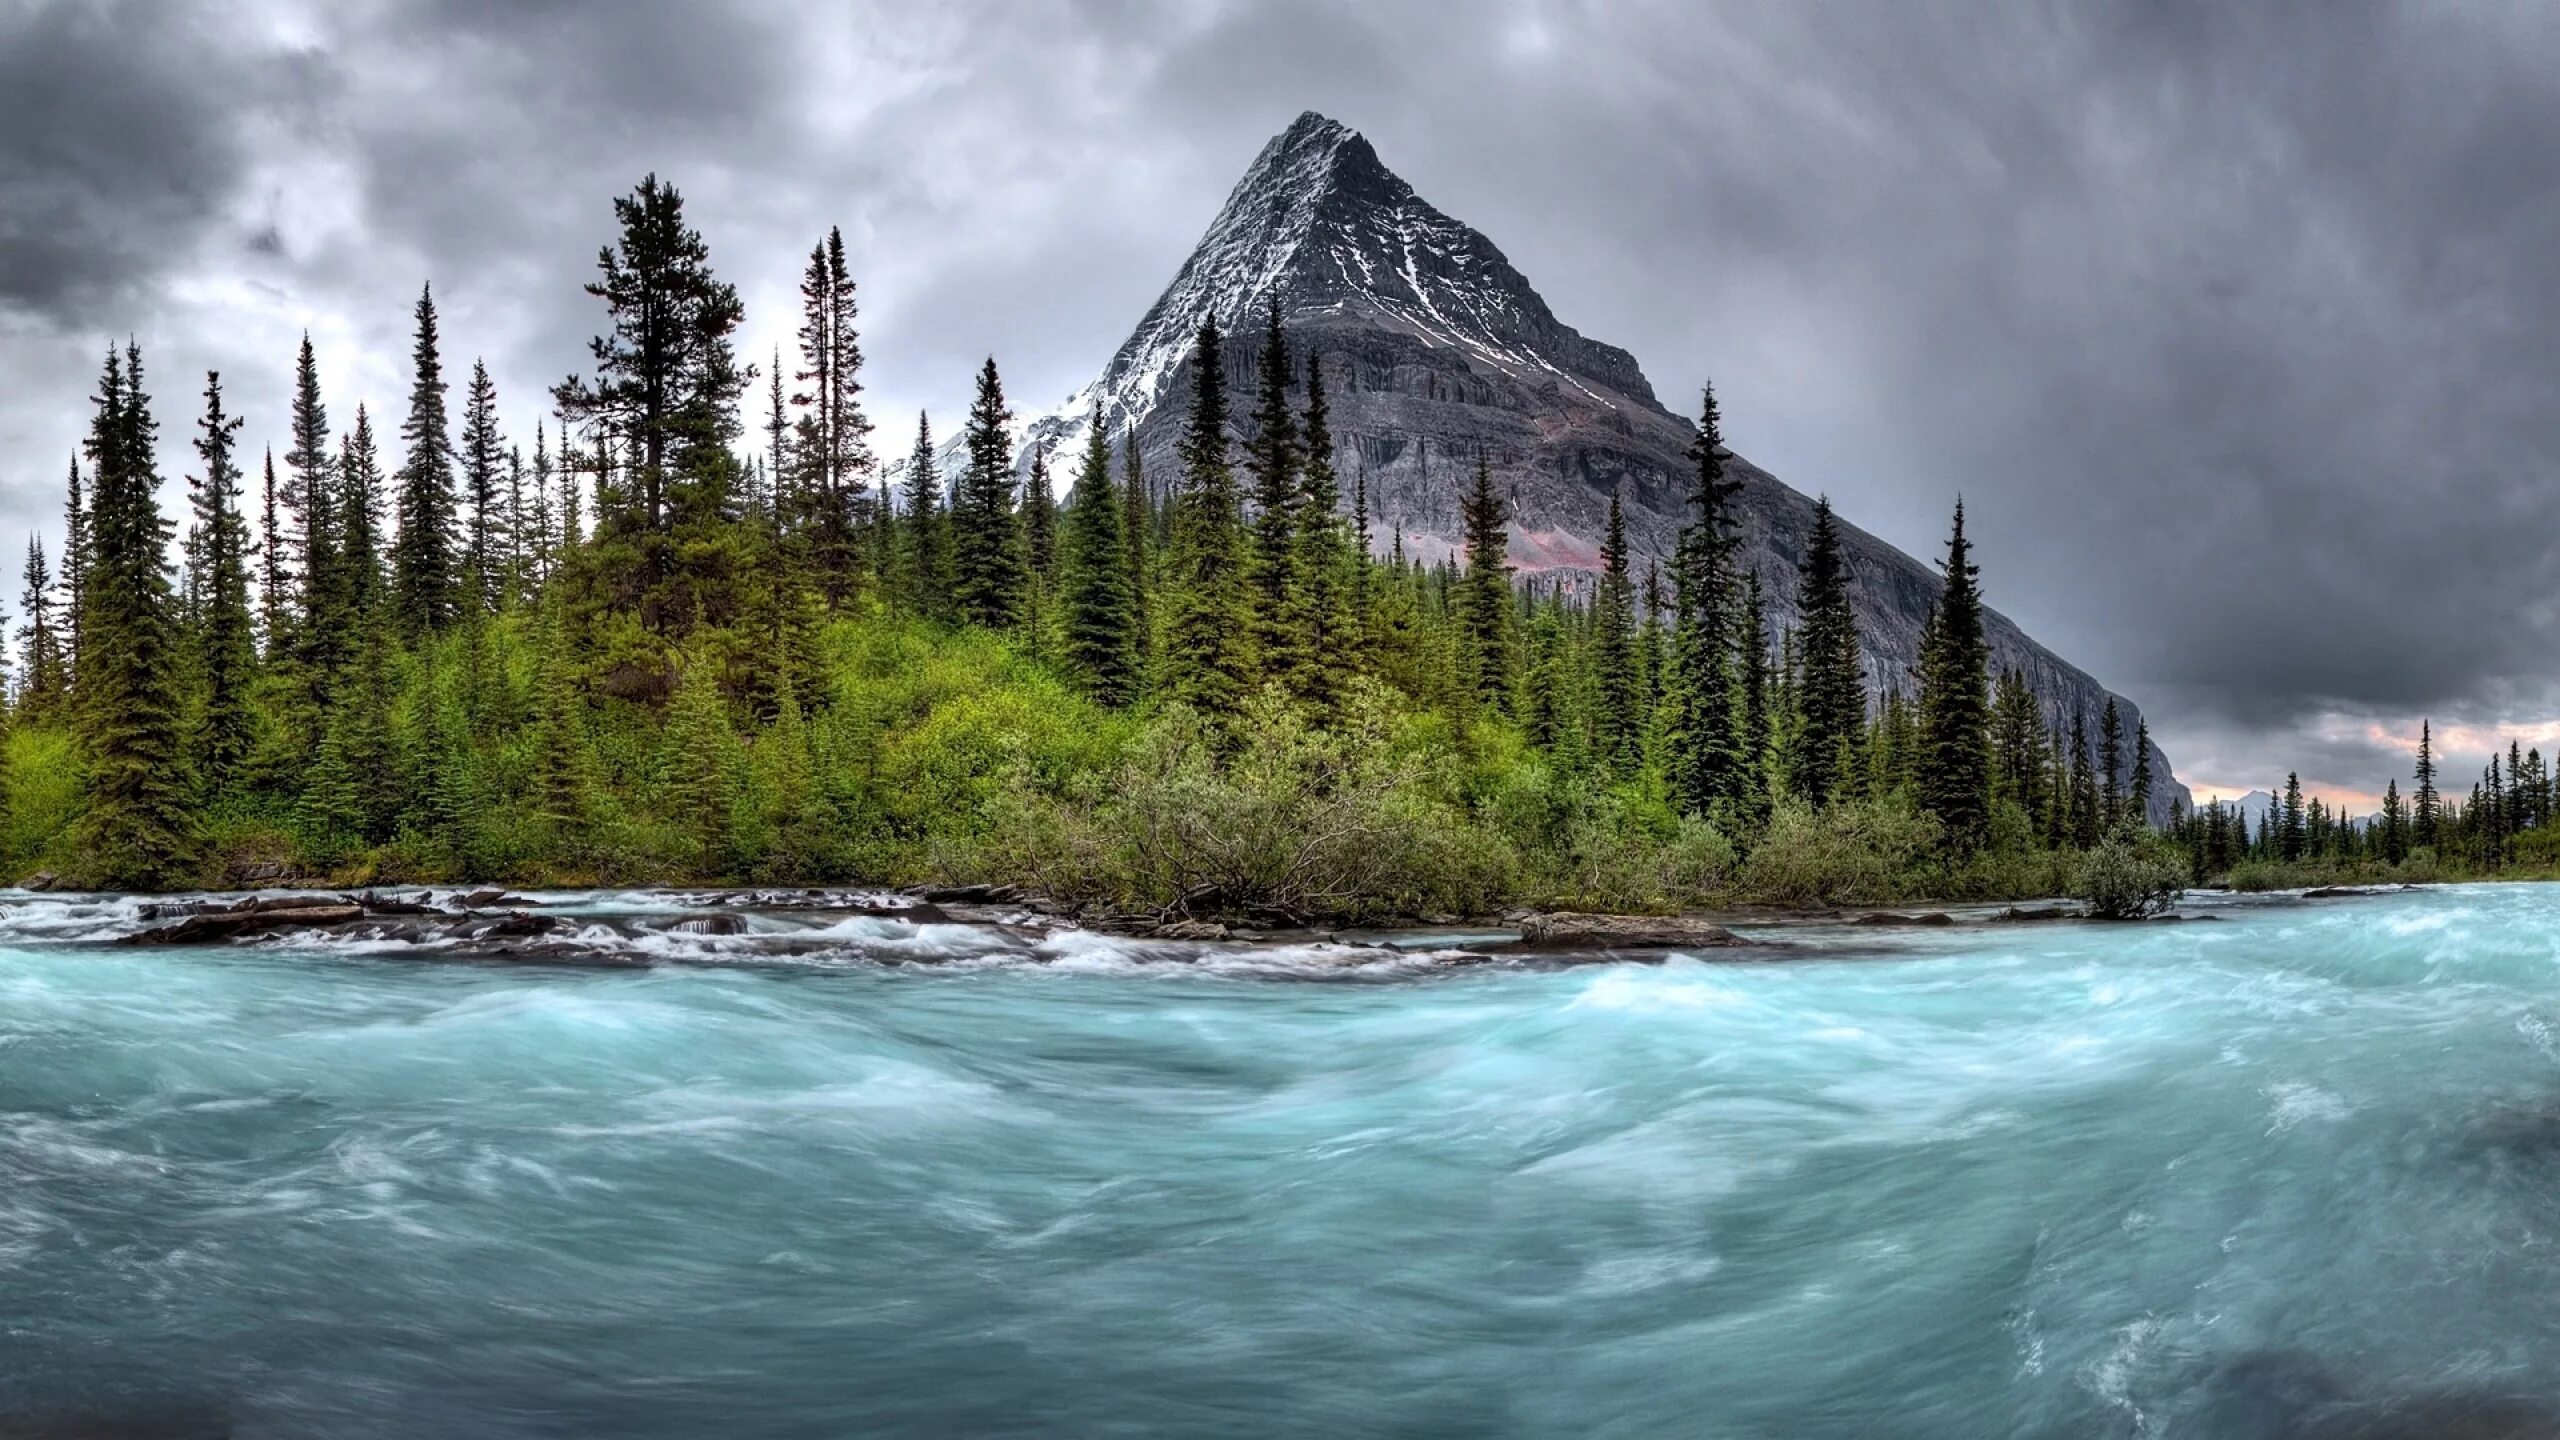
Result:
[{"x": 1437, "y": 350}]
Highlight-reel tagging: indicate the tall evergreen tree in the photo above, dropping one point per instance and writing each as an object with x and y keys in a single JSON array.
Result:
[
  {"x": 1207, "y": 644},
  {"x": 666, "y": 386},
  {"x": 1706, "y": 754},
  {"x": 2137, "y": 808},
  {"x": 1834, "y": 687},
  {"x": 422, "y": 563},
  {"x": 308, "y": 500},
  {"x": 76, "y": 551},
  {"x": 927, "y": 532},
  {"x": 139, "y": 830},
  {"x": 2426, "y": 813},
  {"x": 1272, "y": 455},
  {"x": 226, "y": 638},
  {"x": 1619, "y": 718},
  {"x": 1039, "y": 522},
  {"x": 2110, "y": 765},
  {"x": 1099, "y": 594},
  {"x": 489, "y": 534},
  {"x": 1751, "y": 665},
  {"x": 44, "y": 680},
  {"x": 1955, "y": 700},
  {"x": 986, "y": 541},
  {"x": 836, "y": 436},
  {"x": 1323, "y": 634},
  {"x": 1484, "y": 604}
]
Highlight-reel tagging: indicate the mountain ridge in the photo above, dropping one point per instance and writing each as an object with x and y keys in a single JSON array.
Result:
[{"x": 1439, "y": 352}]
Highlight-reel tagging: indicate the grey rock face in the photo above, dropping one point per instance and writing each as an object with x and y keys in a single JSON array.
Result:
[{"x": 1437, "y": 351}]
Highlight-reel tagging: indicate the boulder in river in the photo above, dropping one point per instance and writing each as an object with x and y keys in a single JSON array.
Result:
[
  {"x": 1573, "y": 930},
  {"x": 714, "y": 922},
  {"x": 1191, "y": 930},
  {"x": 1888, "y": 917}
]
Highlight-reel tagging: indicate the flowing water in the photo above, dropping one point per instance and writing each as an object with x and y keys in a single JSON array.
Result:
[{"x": 2296, "y": 1172}]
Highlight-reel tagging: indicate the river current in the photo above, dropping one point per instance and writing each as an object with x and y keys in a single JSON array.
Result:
[{"x": 2294, "y": 1171}]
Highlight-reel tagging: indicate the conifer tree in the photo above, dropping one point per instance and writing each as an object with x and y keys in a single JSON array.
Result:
[
  {"x": 1273, "y": 457},
  {"x": 307, "y": 540},
  {"x": 43, "y": 681},
  {"x": 271, "y": 592},
  {"x": 666, "y": 387},
  {"x": 2395, "y": 823},
  {"x": 926, "y": 531},
  {"x": 835, "y": 435},
  {"x": 1834, "y": 689},
  {"x": 226, "y": 640},
  {"x": 1706, "y": 755},
  {"x": 2138, "y": 793},
  {"x": 2426, "y": 813},
  {"x": 1752, "y": 666},
  {"x": 1323, "y": 635},
  {"x": 1098, "y": 592},
  {"x": 1484, "y": 606},
  {"x": 2110, "y": 766},
  {"x": 1207, "y": 643},
  {"x": 2084, "y": 786},
  {"x": 422, "y": 565},
  {"x": 1137, "y": 527},
  {"x": 2291, "y": 831},
  {"x": 138, "y": 831},
  {"x": 76, "y": 551},
  {"x": 489, "y": 536},
  {"x": 1039, "y": 522},
  {"x": 1619, "y": 719},
  {"x": 986, "y": 543},
  {"x": 694, "y": 775},
  {"x": 1955, "y": 701}
]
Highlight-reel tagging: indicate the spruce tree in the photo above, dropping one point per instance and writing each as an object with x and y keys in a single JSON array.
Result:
[
  {"x": 1039, "y": 522},
  {"x": 2291, "y": 832},
  {"x": 2426, "y": 813},
  {"x": 44, "y": 681},
  {"x": 1484, "y": 606},
  {"x": 1323, "y": 635},
  {"x": 2395, "y": 823},
  {"x": 138, "y": 832},
  {"x": 1208, "y": 656},
  {"x": 1099, "y": 594},
  {"x": 225, "y": 635},
  {"x": 1137, "y": 526},
  {"x": 986, "y": 542},
  {"x": 2137, "y": 809},
  {"x": 307, "y": 540},
  {"x": 927, "y": 533},
  {"x": 2110, "y": 766},
  {"x": 1751, "y": 647},
  {"x": 1619, "y": 718},
  {"x": 1705, "y": 754},
  {"x": 422, "y": 564},
  {"x": 835, "y": 435},
  {"x": 76, "y": 551},
  {"x": 1273, "y": 457},
  {"x": 489, "y": 536},
  {"x": 1955, "y": 701}
]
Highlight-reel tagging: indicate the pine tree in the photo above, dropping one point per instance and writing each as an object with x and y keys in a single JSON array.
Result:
[
  {"x": 1484, "y": 614},
  {"x": 2291, "y": 832},
  {"x": 2395, "y": 823},
  {"x": 2017, "y": 749},
  {"x": 76, "y": 551},
  {"x": 1323, "y": 634},
  {"x": 2426, "y": 815},
  {"x": 1706, "y": 755},
  {"x": 1751, "y": 647},
  {"x": 1039, "y": 522},
  {"x": 1620, "y": 713},
  {"x": 986, "y": 544},
  {"x": 489, "y": 536},
  {"x": 2137, "y": 809},
  {"x": 1099, "y": 594},
  {"x": 271, "y": 577},
  {"x": 422, "y": 565},
  {"x": 666, "y": 386},
  {"x": 138, "y": 832},
  {"x": 225, "y": 636},
  {"x": 44, "y": 681},
  {"x": 1272, "y": 455},
  {"x": 1955, "y": 701},
  {"x": 2083, "y": 782},
  {"x": 1207, "y": 643},
  {"x": 2110, "y": 766},
  {"x": 694, "y": 765},
  {"x": 927, "y": 532},
  {"x": 835, "y": 435},
  {"x": 1137, "y": 526},
  {"x": 307, "y": 541},
  {"x": 1834, "y": 688}
]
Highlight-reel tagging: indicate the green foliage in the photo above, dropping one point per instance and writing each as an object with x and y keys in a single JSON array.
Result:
[
  {"x": 2131, "y": 874},
  {"x": 1867, "y": 852}
]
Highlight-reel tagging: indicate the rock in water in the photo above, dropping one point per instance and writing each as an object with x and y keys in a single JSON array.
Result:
[
  {"x": 1569, "y": 930},
  {"x": 1437, "y": 350}
]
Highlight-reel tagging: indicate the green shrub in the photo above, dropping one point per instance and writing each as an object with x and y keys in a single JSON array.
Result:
[
  {"x": 1868, "y": 852},
  {"x": 2130, "y": 874}
]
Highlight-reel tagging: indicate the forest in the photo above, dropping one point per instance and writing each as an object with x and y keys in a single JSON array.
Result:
[{"x": 695, "y": 631}]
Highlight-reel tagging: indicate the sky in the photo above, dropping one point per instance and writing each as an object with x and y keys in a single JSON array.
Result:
[{"x": 2236, "y": 326}]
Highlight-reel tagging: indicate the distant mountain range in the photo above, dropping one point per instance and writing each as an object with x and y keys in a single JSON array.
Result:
[{"x": 1436, "y": 352}]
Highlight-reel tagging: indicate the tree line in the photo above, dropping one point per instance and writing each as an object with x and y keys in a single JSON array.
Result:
[{"x": 662, "y": 645}]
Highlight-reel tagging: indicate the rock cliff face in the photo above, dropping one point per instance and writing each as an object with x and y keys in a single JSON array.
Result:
[{"x": 1436, "y": 350}]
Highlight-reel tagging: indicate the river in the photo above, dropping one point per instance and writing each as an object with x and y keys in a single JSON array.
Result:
[{"x": 2291, "y": 1171}]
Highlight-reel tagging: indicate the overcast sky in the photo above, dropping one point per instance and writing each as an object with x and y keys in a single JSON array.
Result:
[{"x": 2236, "y": 324}]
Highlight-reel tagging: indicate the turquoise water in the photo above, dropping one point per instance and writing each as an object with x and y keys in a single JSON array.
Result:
[{"x": 2293, "y": 1173}]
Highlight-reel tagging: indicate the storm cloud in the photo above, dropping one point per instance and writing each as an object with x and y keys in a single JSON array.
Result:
[{"x": 2235, "y": 325}]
